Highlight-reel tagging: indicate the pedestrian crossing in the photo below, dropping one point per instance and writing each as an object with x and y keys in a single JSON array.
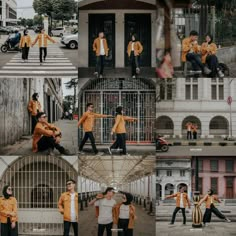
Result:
[{"x": 56, "y": 65}]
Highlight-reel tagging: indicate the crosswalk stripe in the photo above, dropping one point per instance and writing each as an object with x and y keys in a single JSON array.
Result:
[
  {"x": 39, "y": 72},
  {"x": 36, "y": 64},
  {"x": 40, "y": 67}
]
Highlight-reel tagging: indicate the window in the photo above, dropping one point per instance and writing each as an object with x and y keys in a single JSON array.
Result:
[
  {"x": 217, "y": 89},
  {"x": 182, "y": 172},
  {"x": 157, "y": 173},
  {"x": 214, "y": 185},
  {"x": 229, "y": 165},
  {"x": 166, "y": 89},
  {"x": 169, "y": 173},
  {"x": 200, "y": 187},
  {"x": 191, "y": 88},
  {"x": 214, "y": 165},
  {"x": 200, "y": 165}
]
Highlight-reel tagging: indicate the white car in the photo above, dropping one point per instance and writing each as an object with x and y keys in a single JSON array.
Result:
[
  {"x": 59, "y": 31},
  {"x": 71, "y": 41}
]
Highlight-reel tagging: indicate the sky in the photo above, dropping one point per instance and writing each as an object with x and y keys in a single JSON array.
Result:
[{"x": 65, "y": 90}]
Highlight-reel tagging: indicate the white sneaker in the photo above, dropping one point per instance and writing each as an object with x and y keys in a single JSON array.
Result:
[
  {"x": 207, "y": 71},
  {"x": 95, "y": 73},
  {"x": 133, "y": 76},
  {"x": 221, "y": 74},
  {"x": 99, "y": 154},
  {"x": 227, "y": 220},
  {"x": 81, "y": 152},
  {"x": 109, "y": 150},
  {"x": 137, "y": 70},
  {"x": 100, "y": 76}
]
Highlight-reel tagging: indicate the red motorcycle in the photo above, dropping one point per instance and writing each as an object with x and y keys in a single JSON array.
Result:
[{"x": 162, "y": 144}]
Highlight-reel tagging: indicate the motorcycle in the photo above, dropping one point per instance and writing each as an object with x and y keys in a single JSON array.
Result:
[
  {"x": 161, "y": 144},
  {"x": 6, "y": 47}
]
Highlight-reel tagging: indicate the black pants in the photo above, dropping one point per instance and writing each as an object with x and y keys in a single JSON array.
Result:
[
  {"x": 195, "y": 60},
  {"x": 88, "y": 135},
  {"x": 123, "y": 224},
  {"x": 41, "y": 52},
  {"x": 194, "y": 135},
  {"x": 120, "y": 142},
  {"x": 101, "y": 229},
  {"x": 67, "y": 225},
  {"x": 134, "y": 63},
  {"x": 100, "y": 64},
  {"x": 49, "y": 142},
  {"x": 212, "y": 63},
  {"x": 6, "y": 229},
  {"x": 189, "y": 135},
  {"x": 25, "y": 53},
  {"x": 208, "y": 211},
  {"x": 34, "y": 122},
  {"x": 175, "y": 212}
]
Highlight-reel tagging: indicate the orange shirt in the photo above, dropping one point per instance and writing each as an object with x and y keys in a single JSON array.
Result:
[
  {"x": 25, "y": 39},
  {"x": 210, "y": 200},
  {"x": 87, "y": 120},
  {"x": 43, "y": 129},
  {"x": 116, "y": 213},
  {"x": 8, "y": 206},
  {"x": 208, "y": 49},
  {"x": 64, "y": 205},
  {"x": 33, "y": 106},
  {"x": 119, "y": 126},
  {"x": 97, "y": 46},
  {"x": 185, "y": 199},
  {"x": 187, "y": 46},
  {"x": 43, "y": 40},
  {"x": 138, "y": 48}
]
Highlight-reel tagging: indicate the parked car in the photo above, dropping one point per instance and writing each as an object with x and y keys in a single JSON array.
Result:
[
  {"x": 4, "y": 30},
  {"x": 59, "y": 31},
  {"x": 70, "y": 41}
]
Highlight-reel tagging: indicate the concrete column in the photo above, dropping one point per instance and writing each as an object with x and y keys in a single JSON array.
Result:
[
  {"x": 205, "y": 89},
  {"x": 205, "y": 128},
  {"x": 162, "y": 191},
  {"x": 120, "y": 35},
  {"x": 180, "y": 89}
]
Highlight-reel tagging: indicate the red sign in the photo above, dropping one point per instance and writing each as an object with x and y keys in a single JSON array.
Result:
[{"x": 229, "y": 100}]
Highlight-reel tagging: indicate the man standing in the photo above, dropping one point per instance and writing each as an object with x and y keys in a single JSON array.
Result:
[
  {"x": 101, "y": 49},
  {"x": 68, "y": 205},
  {"x": 191, "y": 52},
  {"x": 182, "y": 201},
  {"x": 105, "y": 204},
  {"x": 87, "y": 120},
  {"x": 43, "y": 43},
  {"x": 47, "y": 136}
]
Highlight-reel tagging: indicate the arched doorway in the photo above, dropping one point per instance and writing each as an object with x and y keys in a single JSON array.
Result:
[
  {"x": 164, "y": 125},
  {"x": 38, "y": 182},
  {"x": 137, "y": 96},
  {"x": 169, "y": 189},
  {"x": 193, "y": 120},
  {"x": 219, "y": 125}
]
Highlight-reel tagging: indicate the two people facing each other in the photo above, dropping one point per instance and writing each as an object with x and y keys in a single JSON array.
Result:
[
  {"x": 192, "y": 130},
  {"x": 26, "y": 42},
  {"x": 109, "y": 212},
  {"x": 88, "y": 119},
  {"x": 202, "y": 57},
  {"x": 100, "y": 47},
  {"x": 182, "y": 201}
]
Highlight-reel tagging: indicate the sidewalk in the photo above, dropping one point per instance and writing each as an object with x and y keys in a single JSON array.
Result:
[{"x": 24, "y": 145}]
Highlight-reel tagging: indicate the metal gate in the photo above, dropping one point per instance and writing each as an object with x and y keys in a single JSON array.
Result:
[
  {"x": 137, "y": 96},
  {"x": 38, "y": 182}
]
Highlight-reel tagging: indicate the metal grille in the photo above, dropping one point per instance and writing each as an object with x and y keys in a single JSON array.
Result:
[
  {"x": 138, "y": 100},
  {"x": 38, "y": 183}
]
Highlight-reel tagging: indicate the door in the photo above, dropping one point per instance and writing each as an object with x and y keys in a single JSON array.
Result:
[
  {"x": 105, "y": 23},
  {"x": 49, "y": 108},
  {"x": 140, "y": 24},
  {"x": 229, "y": 187}
]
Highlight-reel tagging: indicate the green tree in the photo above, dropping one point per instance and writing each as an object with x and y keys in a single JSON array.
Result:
[
  {"x": 38, "y": 20},
  {"x": 29, "y": 22}
]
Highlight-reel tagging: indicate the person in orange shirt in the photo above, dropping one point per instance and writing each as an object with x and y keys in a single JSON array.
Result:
[
  {"x": 68, "y": 205},
  {"x": 190, "y": 52},
  {"x": 25, "y": 44},
  {"x": 119, "y": 129},
  {"x": 194, "y": 130},
  {"x": 134, "y": 50},
  {"x": 124, "y": 215},
  {"x": 189, "y": 130},
  {"x": 34, "y": 107},
  {"x": 87, "y": 120},
  {"x": 8, "y": 212},
  {"x": 43, "y": 44},
  {"x": 209, "y": 199},
  {"x": 208, "y": 50},
  {"x": 101, "y": 49},
  {"x": 47, "y": 136},
  {"x": 182, "y": 201}
]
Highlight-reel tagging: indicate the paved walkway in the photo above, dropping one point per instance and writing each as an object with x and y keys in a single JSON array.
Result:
[{"x": 69, "y": 140}]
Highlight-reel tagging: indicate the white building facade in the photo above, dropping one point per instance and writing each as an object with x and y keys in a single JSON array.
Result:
[{"x": 8, "y": 12}]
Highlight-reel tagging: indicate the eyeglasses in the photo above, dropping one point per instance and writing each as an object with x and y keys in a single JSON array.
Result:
[{"x": 10, "y": 189}]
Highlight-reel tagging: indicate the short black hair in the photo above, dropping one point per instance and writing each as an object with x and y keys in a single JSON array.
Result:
[
  {"x": 118, "y": 110},
  {"x": 193, "y": 33},
  {"x": 108, "y": 189},
  {"x": 210, "y": 190},
  {"x": 34, "y": 96},
  {"x": 89, "y": 104},
  {"x": 211, "y": 36},
  {"x": 40, "y": 114},
  {"x": 70, "y": 180}
]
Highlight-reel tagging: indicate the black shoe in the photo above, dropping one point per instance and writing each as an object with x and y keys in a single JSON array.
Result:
[{"x": 171, "y": 223}]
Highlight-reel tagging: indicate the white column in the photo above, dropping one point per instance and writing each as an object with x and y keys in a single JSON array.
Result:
[
  {"x": 206, "y": 91},
  {"x": 119, "y": 38},
  {"x": 180, "y": 89}
]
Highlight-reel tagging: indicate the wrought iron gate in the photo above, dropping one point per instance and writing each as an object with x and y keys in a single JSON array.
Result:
[
  {"x": 38, "y": 182},
  {"x": 137, "y": 96}
]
